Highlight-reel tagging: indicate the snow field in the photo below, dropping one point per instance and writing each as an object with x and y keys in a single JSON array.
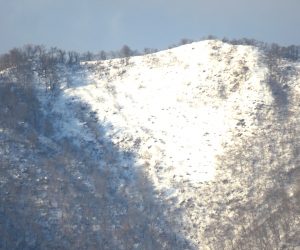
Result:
[{"x": 180, "y": 106}]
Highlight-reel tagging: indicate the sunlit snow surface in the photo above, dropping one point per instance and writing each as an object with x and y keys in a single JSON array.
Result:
[{"x": 179, "y": 106}]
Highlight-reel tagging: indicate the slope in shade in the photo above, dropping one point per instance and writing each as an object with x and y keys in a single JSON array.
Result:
[{"x": 62, "y": 190}]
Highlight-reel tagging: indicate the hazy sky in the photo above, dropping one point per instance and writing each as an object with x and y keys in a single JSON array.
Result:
[{"x": 108, "y": 24}]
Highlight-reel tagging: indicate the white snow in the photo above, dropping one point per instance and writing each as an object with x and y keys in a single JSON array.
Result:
[{"x": 180, "y": 106}]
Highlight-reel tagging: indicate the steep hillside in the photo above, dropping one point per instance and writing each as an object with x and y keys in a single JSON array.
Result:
[
  {"x": 196, "y": 147},
  {"x": 180, "y": 105}
]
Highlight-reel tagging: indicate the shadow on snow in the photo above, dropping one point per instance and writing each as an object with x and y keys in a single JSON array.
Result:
[{"x": 56, "y": 194}]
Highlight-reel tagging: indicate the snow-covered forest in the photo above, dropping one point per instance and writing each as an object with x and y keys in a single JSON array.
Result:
[{"x": 194, "y": 147}]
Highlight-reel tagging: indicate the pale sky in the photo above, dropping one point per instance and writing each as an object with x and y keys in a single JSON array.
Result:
[{"x": 96, "y": 25}]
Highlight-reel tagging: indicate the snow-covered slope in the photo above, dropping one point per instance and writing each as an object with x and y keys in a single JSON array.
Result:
[
  {"x": 197, "y": 120},
  {"x": 195, "y": 147},
  {"x": 200, "y": 120},
  {"x": 179, "y": 106}
]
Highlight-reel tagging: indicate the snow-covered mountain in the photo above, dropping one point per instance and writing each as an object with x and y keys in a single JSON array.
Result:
[
  {"x": 195, "y": 147},
  {"x": 178, "y": 106}
]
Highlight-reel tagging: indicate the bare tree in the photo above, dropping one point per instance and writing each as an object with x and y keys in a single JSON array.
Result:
[{"x": 126, "y": 51}]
